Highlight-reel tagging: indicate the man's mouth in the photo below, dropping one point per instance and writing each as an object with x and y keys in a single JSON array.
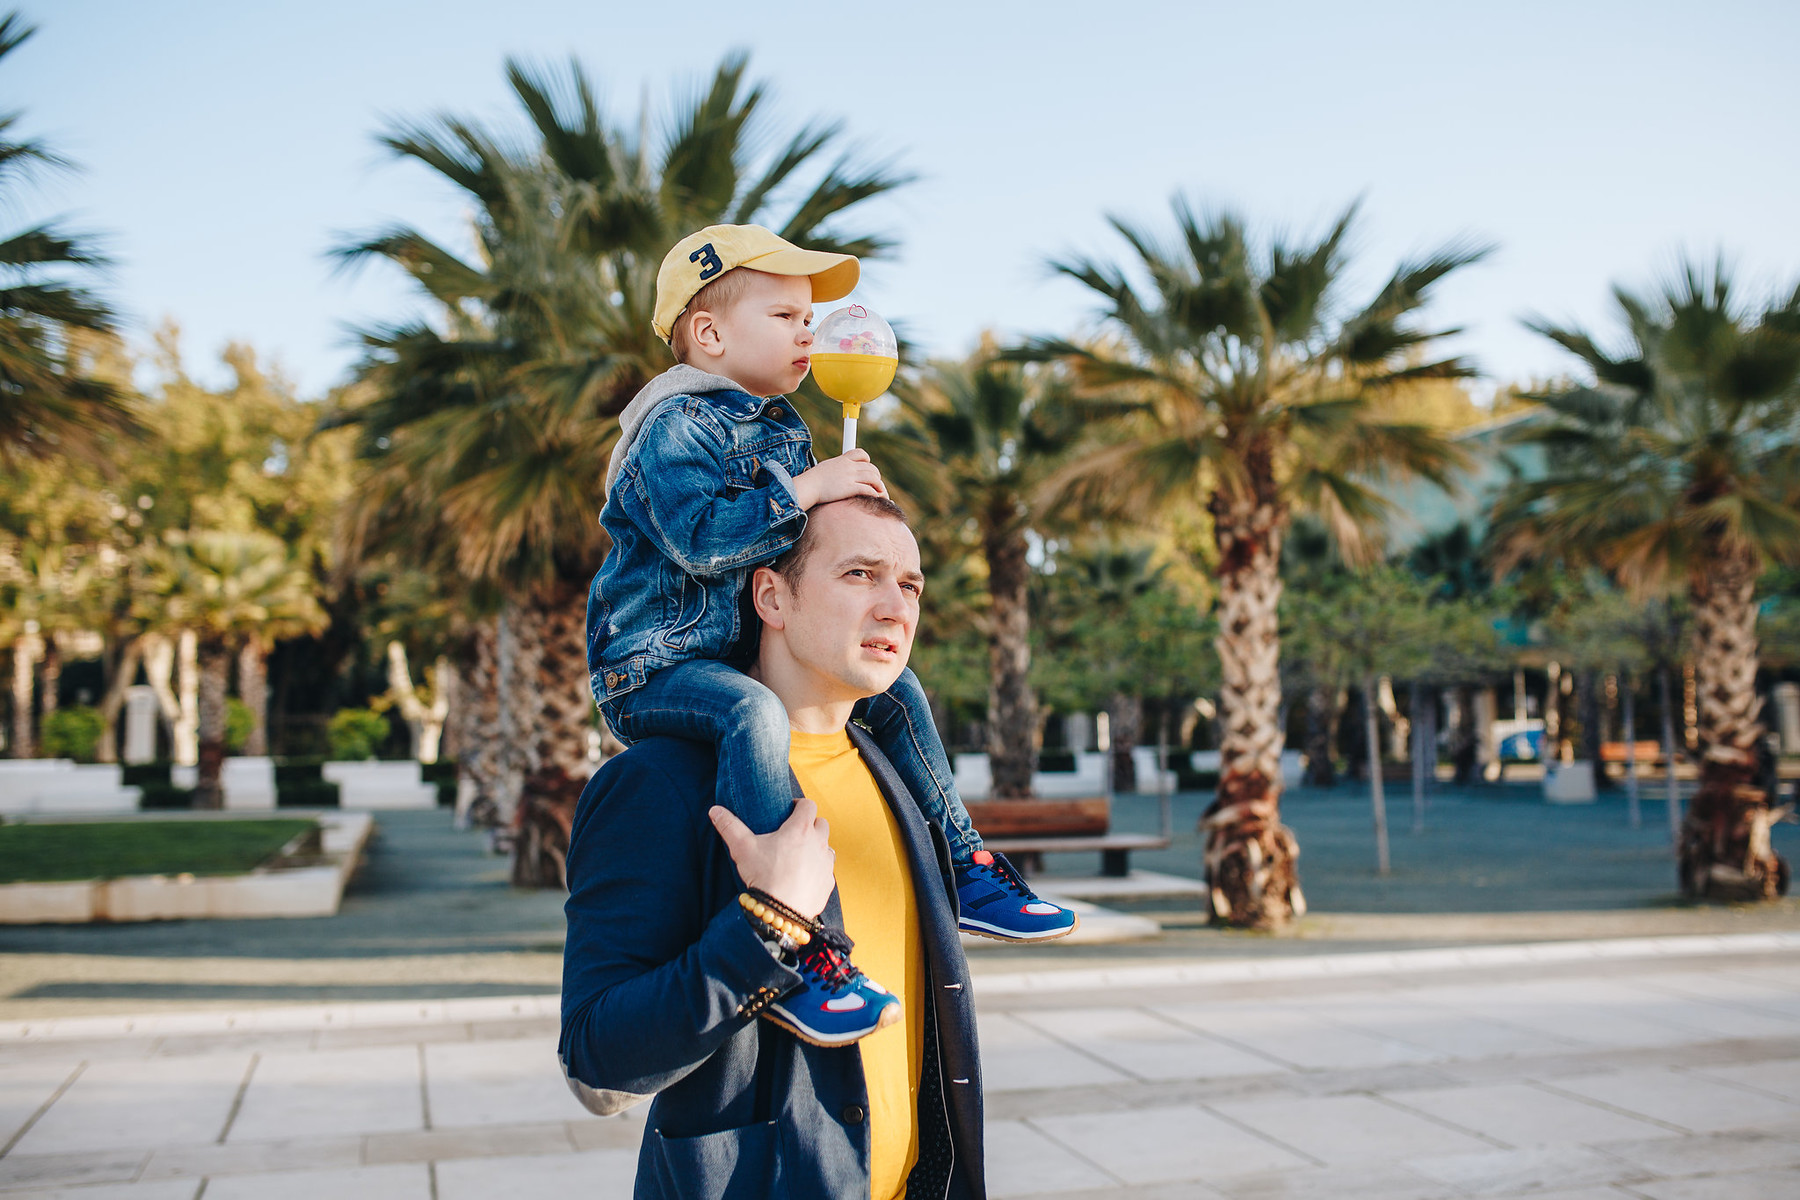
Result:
[{"x": 882, "y": 646}]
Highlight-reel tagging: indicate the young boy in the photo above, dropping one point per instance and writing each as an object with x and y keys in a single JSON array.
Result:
[{"x": 712, "y": 476}]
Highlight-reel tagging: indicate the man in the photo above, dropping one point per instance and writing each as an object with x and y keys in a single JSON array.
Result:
[{"x": 664, "y": 967}]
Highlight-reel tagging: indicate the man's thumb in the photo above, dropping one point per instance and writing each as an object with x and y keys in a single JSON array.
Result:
[{"x": 733, "y": 831}]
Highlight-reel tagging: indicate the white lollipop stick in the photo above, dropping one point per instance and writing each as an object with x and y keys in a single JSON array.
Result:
[{"x": 849, "y": 434}]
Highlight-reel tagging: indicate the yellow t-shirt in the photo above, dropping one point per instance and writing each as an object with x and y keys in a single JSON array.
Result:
[{"x": 875, "y": 887}]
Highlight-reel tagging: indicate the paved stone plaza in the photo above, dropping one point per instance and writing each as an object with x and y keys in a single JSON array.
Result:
[{"x": 1665, "y": 1069}]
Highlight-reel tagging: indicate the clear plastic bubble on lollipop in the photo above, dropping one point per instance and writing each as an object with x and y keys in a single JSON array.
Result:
[{"x": 854, "y": 358}]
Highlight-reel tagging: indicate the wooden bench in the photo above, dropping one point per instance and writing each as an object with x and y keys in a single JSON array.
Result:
[{"x": 1115, "y": 849}]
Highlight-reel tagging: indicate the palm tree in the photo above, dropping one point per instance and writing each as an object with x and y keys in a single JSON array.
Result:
[
  {"x": 49, "y": 404},
  {"x": 999, "y": 430},
  {"x": 1261, "y": 388},
  {"x": 485, "y": 431},
  {"x": 226, "y": 588},
  {"x": 1678, "y": 469}
]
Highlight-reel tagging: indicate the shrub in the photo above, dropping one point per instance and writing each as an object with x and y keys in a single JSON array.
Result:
[
  {"x": 72, "y": 733},
  {"x": 355, "y": 732},
  {"x": 239, "y": 721}
]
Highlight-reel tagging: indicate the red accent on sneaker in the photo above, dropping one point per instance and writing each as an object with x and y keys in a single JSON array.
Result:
[{"x": 981, "y": 858}]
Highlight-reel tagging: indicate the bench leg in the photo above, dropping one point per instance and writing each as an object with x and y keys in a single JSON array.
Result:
[{"x": 1115, "y": 863}]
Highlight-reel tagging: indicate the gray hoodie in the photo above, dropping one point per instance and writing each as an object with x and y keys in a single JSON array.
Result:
[{"x": 678, "y": 380}]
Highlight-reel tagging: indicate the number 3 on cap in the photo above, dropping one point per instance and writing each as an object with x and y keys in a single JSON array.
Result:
[{"x": 709, "y": 262}]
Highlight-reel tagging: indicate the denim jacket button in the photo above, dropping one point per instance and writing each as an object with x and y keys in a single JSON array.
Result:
[
  {"x": 612, "y": 679},
  {"x": 853, "y": 1115},
  {"x": 776, "y": 411}
]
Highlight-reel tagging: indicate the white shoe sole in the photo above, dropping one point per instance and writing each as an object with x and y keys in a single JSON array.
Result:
[{"x": 981, "y": 929}]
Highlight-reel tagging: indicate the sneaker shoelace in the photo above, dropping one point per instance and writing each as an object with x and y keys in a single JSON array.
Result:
[
  {"x": 1005, "y": 872},
  {"x": 828, "y": 957}
]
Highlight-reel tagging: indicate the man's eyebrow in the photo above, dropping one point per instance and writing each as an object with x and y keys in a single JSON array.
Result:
[{"x": 869, "y": 560}]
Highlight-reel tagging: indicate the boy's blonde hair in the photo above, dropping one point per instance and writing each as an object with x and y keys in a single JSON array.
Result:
[{"x": 716, "y": 297}]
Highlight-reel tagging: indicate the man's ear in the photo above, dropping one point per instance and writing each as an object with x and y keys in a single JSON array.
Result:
[
  {"x": 704, "y": 334},
  {"x": 769, "y": 595}
]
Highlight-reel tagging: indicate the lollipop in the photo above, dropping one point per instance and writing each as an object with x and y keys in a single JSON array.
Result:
[{"x": 853, "y": 360}]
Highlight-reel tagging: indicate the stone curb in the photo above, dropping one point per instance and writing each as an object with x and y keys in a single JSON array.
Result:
[{"x": 543, "y": 1006}]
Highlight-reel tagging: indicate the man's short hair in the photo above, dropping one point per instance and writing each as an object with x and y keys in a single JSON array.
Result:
[
  {"x": 792, "y": 564},
  {"x": 716, "y": 297}
]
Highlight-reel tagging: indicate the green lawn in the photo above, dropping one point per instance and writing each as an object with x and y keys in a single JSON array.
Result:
[{"x": 109, "y": 849}]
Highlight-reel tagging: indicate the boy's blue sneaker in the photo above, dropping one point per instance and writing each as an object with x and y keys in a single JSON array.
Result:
[
  {"x": 998, "y": 903},
  {"x": 836, "y": 1004}
]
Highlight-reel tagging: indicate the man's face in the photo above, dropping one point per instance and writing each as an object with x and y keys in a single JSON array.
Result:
[
  {"x": 851, "y": 618},
  {"x": 766, "y": 335}
]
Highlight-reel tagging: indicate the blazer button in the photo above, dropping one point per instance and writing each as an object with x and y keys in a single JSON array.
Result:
[{"x": 853, "y": 1115}]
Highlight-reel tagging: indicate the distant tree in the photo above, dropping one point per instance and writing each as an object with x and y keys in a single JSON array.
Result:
[
  {"x": 1678, "y": 470},
  {"x": 50, "y": 405},
  {"x": 1261, "y": 391}
]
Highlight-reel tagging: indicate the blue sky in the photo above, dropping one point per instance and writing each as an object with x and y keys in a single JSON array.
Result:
[{"x": 226, "y": 146}]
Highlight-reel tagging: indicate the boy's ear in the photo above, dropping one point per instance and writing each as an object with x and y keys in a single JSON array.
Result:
[
  {"x": 704, "y": 334},
  {"x": 768, "y": 592}
]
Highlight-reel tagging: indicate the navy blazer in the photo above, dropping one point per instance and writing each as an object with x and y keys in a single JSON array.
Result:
[{"x": 660, "y": 962}]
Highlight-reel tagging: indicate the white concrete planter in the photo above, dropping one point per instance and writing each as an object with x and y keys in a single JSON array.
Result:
[
  {"x": 249, "y": 784},
  {"x": 975, "y": 778},
  {"x": 310, "y": 891},
  {"x": 1569, "y": 782},
  {"x": 59, "y": 786},
  {"x": 380, "y": 785}
]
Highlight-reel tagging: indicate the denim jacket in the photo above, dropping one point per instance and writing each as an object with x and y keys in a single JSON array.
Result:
[{"x": 702, "y": 494}]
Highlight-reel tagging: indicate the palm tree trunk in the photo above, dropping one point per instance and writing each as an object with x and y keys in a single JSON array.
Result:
[
  {"x": 253, "y": 690},
  {"x": 552, "y": 665},
  {"x": 1725, "y": 851},
  {"x": 1250, "y": 854},
  {"x": 1125, "y": 725},
  {"x": 124, "y": 671},
  {"x": 1012, "y": 706},
  {"x": 50, "y": 695},
  {"x": 479, "y": 775},
  {"x": 25, "y": 651},
  {"x": 187, "y": 675},
  {"x": 1377, "y": 795},
  {"x": 1324, "y": 702},
  {"x": 215, "y": 675}
]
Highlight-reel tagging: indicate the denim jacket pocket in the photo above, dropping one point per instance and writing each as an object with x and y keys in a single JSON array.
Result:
[
  {"x": 733, "y": 1164},
  {"x": 690, "y": 608}
]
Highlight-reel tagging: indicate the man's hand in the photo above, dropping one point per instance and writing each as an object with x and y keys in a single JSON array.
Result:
[
  {"x": 793, "y": 864},
  {"x": 849, "y": 474}
]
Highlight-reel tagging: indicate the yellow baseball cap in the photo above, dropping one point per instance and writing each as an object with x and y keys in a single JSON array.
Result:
[{"x": 700, "y": 258}]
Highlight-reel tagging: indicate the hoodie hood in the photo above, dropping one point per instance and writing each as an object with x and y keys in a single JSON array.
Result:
[{"x": 678, "y": 380}]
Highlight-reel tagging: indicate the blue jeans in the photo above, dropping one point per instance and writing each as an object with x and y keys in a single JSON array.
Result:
[{"x": 706, "y": 700}]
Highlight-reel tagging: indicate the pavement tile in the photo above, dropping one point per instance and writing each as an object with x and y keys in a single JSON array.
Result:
[
  {"x": 1158, "y": 1145},
  {"x": 1339, "y": 1130},
  {"x": 140, "y": 1102},
  {"x": 25, "y": 1086},
  {"x": 1443, "y": 1032},
  {"x": 1739, "y": 1150},
  {"x": 1731, "y": 990},
  {"x": 597, "y": 1173},
  {"x": 249, "y": 1158},
  {"x": 1295, "y": 1038},
  {"x": 395, "y": 1181},
  {"x": 58, "y": 1170},
  {"x": 1023, "y": 1161},
  {"x": 480, "y": 1142},
  {"x": 1758, "y": 1185},
  {"x": 1505, "y": 1172},
  {"x": 1014, "y": 1055},
  {"x": 1682, "y": 1099},
  {"x": 490, "y": 1083},
  {"x": 1146, "y": 1046},
  {"x": 1781, "y": 1078},
  {"x": 1385, "y": 1182},
  {"x": 606, "y": 1133},
  {"x": 1186, "y": 1189},
  {"x": 185, "y": 1189},
  {"x": 1522, "y": 1115},
  {"x": 327, "y": 1092}
]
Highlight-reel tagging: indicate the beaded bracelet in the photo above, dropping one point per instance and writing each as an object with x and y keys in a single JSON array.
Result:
[{"x": 777, "y": 916}]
